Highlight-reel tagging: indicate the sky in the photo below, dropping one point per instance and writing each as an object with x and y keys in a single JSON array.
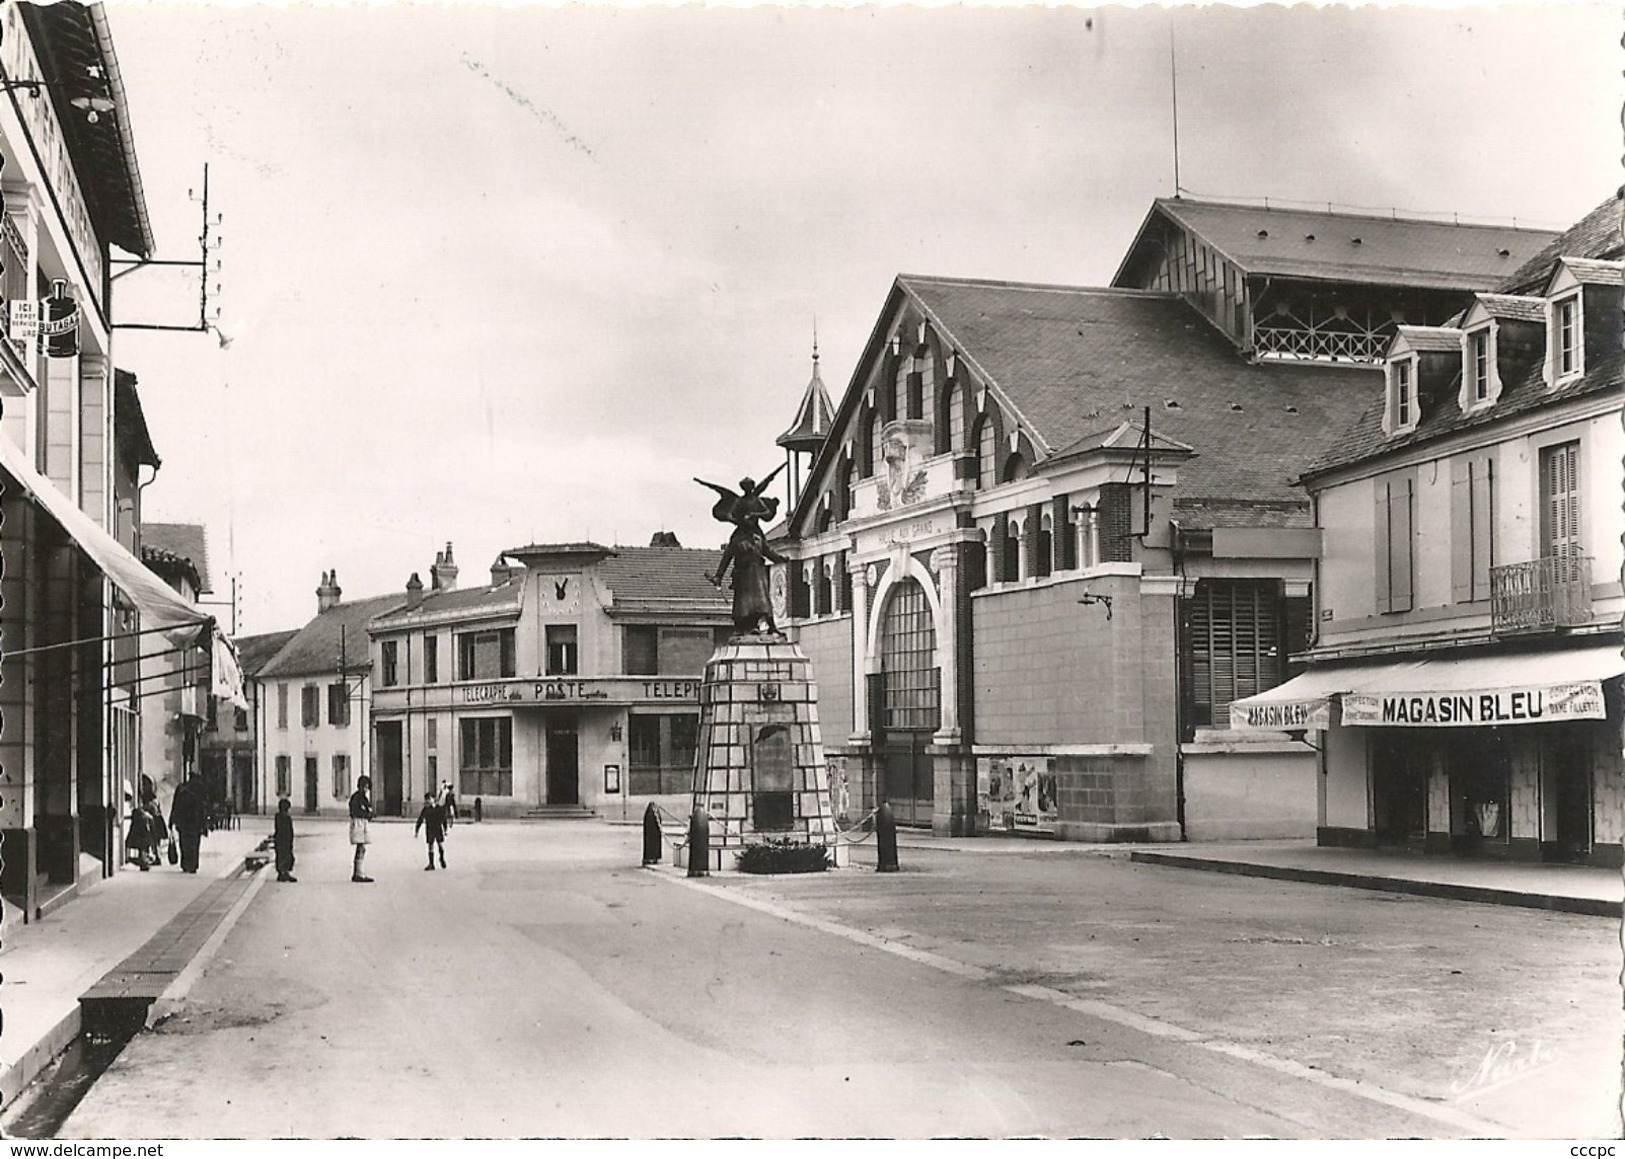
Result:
[{"x": 503, "y": 275}]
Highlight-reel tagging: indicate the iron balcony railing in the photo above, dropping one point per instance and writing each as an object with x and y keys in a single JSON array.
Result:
[
  {"x": 1552, "y": 592},
  {"x": 1319, "y": 345}
]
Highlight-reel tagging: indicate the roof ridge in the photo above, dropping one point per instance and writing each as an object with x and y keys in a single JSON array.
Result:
[
  {"x": 1047, "y": 287},
  {"x": 1367, "y": 215}
]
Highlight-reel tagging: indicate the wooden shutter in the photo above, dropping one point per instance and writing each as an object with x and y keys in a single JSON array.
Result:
[
  {"x": 1401, "y": 498},
  {"x": 1461, "y": 530},
  {"x": 1381, "y": 532},
  {"x": 1483, "y": 496}
]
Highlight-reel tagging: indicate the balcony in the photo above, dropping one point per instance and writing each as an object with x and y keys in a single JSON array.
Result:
[{"x": 1541, "y": 594}]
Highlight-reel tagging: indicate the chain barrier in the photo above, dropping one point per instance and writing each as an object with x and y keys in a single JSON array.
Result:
[
  {"x": 671, "y": 826},
  {"x": 855, "y": 826}
]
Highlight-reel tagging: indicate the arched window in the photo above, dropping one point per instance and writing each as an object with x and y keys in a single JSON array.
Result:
[
  {"x": 826, "y": 515},
  {"x": 1012, "y": 551},
  {"x": 1015, "y": 467},
  {"x": 987, "y": 451},
  {"x": 868, "y": 442},
  {"x": 877, "y": 455},
  {"x": 849, "y": 478},
  {"x": 822, "y": 590},
  {"x": 950, "y": 419},
  {"x": 1044, "y": 563},
  {"x": 908, "y": 651}
]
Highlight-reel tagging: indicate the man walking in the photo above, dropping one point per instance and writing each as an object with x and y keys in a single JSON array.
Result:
[
  {"x": 360, "y": 814},
  {"x": 189, "y": 816}
]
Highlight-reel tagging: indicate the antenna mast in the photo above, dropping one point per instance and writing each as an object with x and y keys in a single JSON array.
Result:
[{"x": 1173, "y": 74}]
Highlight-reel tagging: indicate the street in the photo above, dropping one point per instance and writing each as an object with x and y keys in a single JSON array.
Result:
[{"x": 545, "y": 985}]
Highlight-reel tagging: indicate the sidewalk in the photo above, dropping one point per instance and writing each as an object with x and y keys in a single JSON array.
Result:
[
  {"x": 46, "y": 965},
  {"x": 1578, "y": 889}
]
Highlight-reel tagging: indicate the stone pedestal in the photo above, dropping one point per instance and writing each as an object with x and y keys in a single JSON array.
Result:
[{"x": 759, "y": 772}]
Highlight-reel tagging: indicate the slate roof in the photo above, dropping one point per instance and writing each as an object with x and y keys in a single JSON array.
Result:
[
  {"x": 1430, "y": 337},
  {"x": 504, "y": 596},
  {"x": 1514, "y": 306},
  {"x": 1596, "y": 235},
  {"x": 1074, "y": 361},
  {"x": 172, "y": 542},
  {"x": 130, "y": 423},
  {"x": 813, "y": 418},
  {"x": 1595, "y": 272},
  {"x": 1351, "y": 247},
  {"x": 652, "y": 574},
  {"x": 255, "y": 652},
  {"x": 314, "y": 649},
  {"x": 1593, "y": 236}
]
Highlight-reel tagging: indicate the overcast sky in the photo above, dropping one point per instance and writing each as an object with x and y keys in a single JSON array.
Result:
[{"x": 499, "y": 275}]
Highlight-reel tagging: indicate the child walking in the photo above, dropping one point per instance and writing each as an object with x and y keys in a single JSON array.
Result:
[
  {"x": 432, "y": 821},
  {"x": 282, "y": 841}
]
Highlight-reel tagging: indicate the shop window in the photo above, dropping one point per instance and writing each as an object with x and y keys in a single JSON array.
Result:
[
  {"x": 389, "y": 652},
  {"x": 772, "y": 780},
  {"x": 660, "y": 752},
  {"x": 431, "y": 659},
  {"x": 486, "y": 768},
  {"x": 487, "y": 655},
  {"x": 1480, "y": 782},
  {"x": 562, "y": 659},
  {"x": 310, "y": 706}
]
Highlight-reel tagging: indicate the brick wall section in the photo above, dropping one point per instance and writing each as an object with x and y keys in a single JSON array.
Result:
[
  {"x": 1046, "y": 669},
  {"x": 971, "y": 563},
  {"x": 1116, "y": 523},
  {"x": 828, "y": 648}
]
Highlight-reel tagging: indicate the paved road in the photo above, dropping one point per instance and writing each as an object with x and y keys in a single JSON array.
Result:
[{"x": 544, "y": 985}]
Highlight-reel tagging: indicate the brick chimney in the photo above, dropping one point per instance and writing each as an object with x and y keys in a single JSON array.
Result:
[
  {"x": 444, "y": 572},
  {"x": 501, "y": 571},
  {"x": 414, "y": 591},
  {"x": 327, "y": 596}
]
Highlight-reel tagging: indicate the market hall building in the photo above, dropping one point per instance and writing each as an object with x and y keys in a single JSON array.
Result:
[
  {"x": 1052, "y": 531},
  {"x": 569, "y": 683},
  {"x": 1468, "y": 668}
]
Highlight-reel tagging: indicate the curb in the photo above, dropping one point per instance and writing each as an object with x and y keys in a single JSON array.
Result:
[
  {"x": 1452, "y": 891},
  {"x": 174, "y": 997}
]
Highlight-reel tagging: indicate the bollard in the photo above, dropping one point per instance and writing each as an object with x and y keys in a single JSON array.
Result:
[
  {"x": 699, "y": 844},
  {"x": 886, "y": 839},
  {"x": 652, "y": 837},
  {"x": 479, "y": 809}
]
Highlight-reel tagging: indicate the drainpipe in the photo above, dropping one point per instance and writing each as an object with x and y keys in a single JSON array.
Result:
[{"x": 1176, "y": 550}]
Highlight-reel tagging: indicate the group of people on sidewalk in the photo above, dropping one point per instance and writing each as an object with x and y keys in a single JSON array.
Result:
[
  {"x": 434, "y": 821},
  {"x": 183, "y": 832}
]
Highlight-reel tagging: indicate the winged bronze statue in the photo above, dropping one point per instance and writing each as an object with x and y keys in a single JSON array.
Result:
[{"x": 747, "y": 551}]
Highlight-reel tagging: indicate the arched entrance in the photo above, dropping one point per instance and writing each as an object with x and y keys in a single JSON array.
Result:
[{"x": 910, "y": 703}]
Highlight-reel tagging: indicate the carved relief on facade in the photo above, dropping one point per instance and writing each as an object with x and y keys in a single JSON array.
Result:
[{"x": 904, "y": 445}]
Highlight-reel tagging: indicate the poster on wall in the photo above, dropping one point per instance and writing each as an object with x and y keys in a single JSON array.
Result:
[
  {"x": 1020, "y": 793},
  {"x": 612, "y": 779}
]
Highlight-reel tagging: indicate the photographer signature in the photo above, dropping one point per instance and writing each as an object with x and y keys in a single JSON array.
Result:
[{"x": 1502, "y": 1063}]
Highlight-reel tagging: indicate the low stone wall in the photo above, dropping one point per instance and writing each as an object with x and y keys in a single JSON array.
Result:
[{"x": 1249, "y": 787}]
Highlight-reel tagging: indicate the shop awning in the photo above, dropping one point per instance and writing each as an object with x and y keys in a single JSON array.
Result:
[
  {"x": 160, "y": 606},
  {"x": 1492, "y": 689},
  {"x": 1305, "y": 700}
]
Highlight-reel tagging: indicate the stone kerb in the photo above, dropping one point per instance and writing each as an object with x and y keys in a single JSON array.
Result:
[{"x": 760, "y": 772}]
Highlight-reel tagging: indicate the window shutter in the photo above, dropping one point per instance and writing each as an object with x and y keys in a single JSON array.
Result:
[
  {"x": 1401, "y": 499},
  {"x": 1461, "y": 530},
  {"x": 1483, "y": 495},
  {"x": 1382, "y": 531}
]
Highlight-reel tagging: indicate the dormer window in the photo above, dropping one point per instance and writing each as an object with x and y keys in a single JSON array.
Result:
[
  {"x": 1480, "y": 379},
  {"x": 1566, "y": 361},
  {"x": 1478, "y": 365},
  {"x": 1402, "y": 411}
]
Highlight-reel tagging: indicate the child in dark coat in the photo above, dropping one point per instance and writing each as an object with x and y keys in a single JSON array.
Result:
[
  {"x": 432, "y": 821},
  {"x": 282, "y": 841}
]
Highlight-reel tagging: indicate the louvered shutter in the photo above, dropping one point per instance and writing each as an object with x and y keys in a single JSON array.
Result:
[
  {"x": 1382, "y": 531},
  {"x": 1400, "y": 502},
  {"x": 1483, "y": 494},
  {"x": 1461, "y": 530}
]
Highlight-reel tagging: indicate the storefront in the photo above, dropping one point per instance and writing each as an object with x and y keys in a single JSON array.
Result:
[{"x": 1493, "y": 753}]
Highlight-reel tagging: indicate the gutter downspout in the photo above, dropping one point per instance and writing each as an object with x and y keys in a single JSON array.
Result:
[{"x": 1176, "y": 549}]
